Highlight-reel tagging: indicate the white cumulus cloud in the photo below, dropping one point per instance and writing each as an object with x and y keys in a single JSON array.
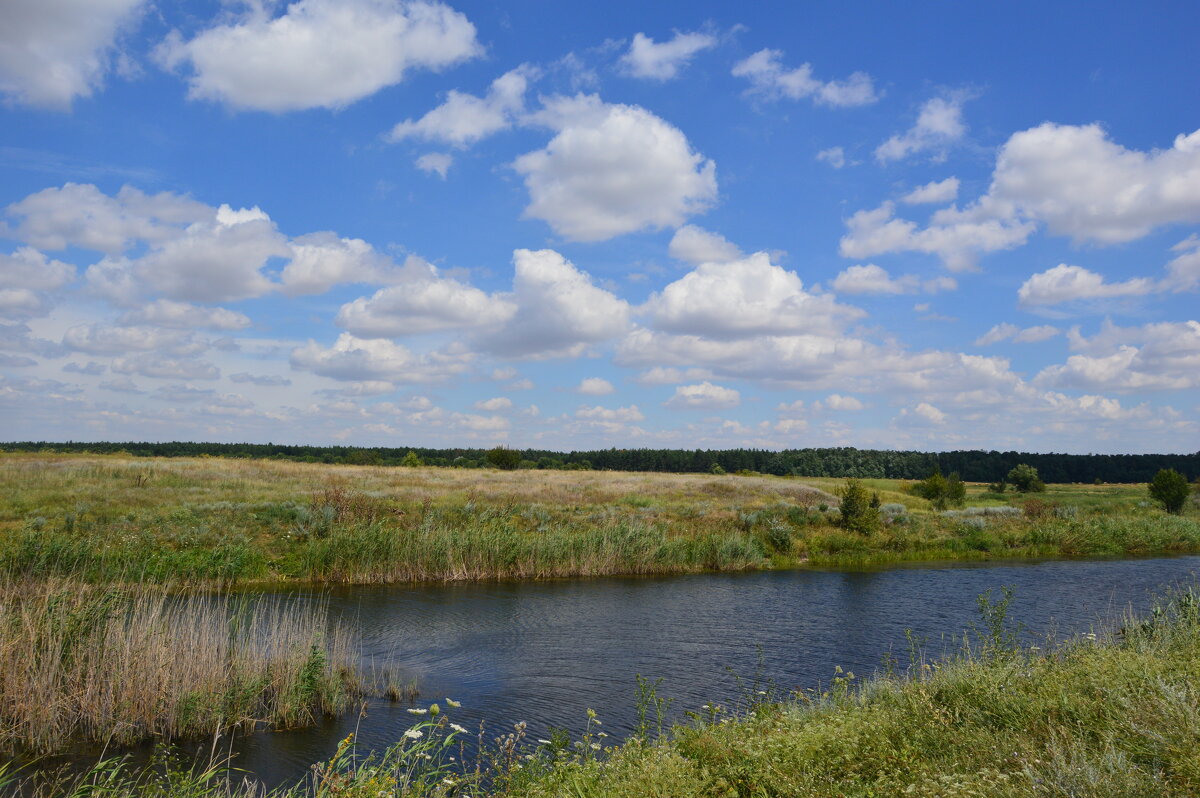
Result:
[
  {"x": 696, "y": 245},
  {"x": 662, "y": 61},
  {"x": 703, "y": 396},
  {"x": 319, "y": 53},
  {"x": 54, "y": 51},
  {"x": 937, "y": 191},
  {"x": 613, "y": 169},
  {"x": 595, "y": 386},
  {"x": 939, "y": 125},
  {"x": 768, "y": 77},
  {"x": 743, "y": 298},
  {"x": 464, "y": 118}
]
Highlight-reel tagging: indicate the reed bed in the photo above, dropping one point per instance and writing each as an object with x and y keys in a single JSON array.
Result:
[{"x": 122, "y": 664}]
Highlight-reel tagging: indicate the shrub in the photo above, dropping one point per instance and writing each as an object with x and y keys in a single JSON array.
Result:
[
  {"x": 1170, "y": 489},
  {"x": 1025, "y": 479},
  {"x": 941, "y": 491},
  {"x": 859, "y": 509},
  {"x": 503, "y": 458},
  {"x": 411, "y": 460}
]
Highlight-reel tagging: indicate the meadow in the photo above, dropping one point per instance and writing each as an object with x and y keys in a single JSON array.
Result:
[{"x": 216, "y": 521}]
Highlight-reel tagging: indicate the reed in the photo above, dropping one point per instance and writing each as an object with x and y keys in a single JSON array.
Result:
[{"x": 121, "y": 664}]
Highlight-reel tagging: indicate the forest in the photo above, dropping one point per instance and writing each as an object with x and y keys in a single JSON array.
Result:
[{"x": 971, "y": 465}]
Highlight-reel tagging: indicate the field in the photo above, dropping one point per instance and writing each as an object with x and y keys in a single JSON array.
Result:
[{"x": 110, "y": 518}]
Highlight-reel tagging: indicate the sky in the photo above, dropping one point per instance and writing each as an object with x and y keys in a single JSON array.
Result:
[{"x": 927, "y": 225}]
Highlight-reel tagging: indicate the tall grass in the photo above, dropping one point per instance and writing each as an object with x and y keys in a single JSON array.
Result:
[{"x": 121, "y": 664}]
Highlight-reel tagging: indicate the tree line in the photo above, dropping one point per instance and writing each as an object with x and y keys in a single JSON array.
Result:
[{"x": 972, "y": 466}]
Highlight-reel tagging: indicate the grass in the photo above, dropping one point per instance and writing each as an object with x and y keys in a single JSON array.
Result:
[
  {"x": 234, "y": 521},
  {"x": 1111, "y": 715},
  {"x": 117, "y": 665}
]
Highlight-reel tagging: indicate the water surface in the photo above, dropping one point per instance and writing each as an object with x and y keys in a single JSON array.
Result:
[{"x": 545, "y": 652}]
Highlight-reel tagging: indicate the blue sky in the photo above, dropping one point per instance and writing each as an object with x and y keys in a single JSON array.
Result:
[{"x": 929, "y": 225}]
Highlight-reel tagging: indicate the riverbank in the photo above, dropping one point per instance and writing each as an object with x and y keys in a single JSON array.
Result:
[
  {"x": 1113, "y": 714},
  {"x": 203, "y": 521}
]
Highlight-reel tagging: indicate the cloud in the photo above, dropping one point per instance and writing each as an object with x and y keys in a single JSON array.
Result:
[
  {"x": 939, "y": 125},
  {"x": 622, "y": 415},
  {"x": 159, "y": 366},
  {"x": 54, "y": 51},
  {"x": 612, "y": 169},
  {"x": 92, "y": 369},
  {"x": 1159, "y": 356},
  {"x": 262, "y": 380},
  {"x": 438, "y": 163},
  {"x": 558, "y": 310},
  {"x": 464, "y": 118},
  {"x": 19, "y": 338},
  {"x": 834, "y": 156},
  {"x": 320, "y": 261},
  {"x": 923, "y": 413},
  {"x": 662, "y": 61},
  {"x": 1065, "y": 283},
  {"x": 97, "y": 339},
  {"x": 872, "y": 279},
  {"x": 357, "y": 359},
  {"x": 27, "y": 278},
  {"x": 494, "y": 405},
  {"x": 1080, "y": 183},
  {"x": 839, "y": 403},
  {"x": 704, "y": 396},
  {"x": 957, "y": 237},
  {"x": 696, "y": 245},
  {"x": 595, "y": 386},
  {"x": 770, "y": 79},
  {"x": 220, "y": 260},
  {"x": 931, "y": 193},
  {"x": 1005, "y": 331},
  {"x": 423, "y": 302},
  {"x": 81, "y": 215},
  {"x": 319, "y": 53},
  {"x": 661, "y": 375},
  {"x": 29, "y": 269},
  {"x": 181, "y": 315},
  {"x": 743, "y": 298}
]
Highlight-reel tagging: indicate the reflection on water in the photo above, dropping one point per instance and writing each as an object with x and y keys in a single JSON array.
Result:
[{"x": 544, "y": 652}]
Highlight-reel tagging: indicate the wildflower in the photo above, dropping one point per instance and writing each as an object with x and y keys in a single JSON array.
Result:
[
  {"x": 433, "y": 709},
  {"x": 595, "y": 746},
  {"x": 418, "y": 711},
  {"x": 413, "y": 734},
  {"x": 458, "y": 728},
  {"x": 449, "y": 781},
  {"x": 544, "y": 742},
  {"x": 450, "y": 702}
]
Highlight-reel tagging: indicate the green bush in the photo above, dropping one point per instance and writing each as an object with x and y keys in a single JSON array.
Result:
[
  {"x": 1170, "y": 489},
  {"x": 859, "y": 509},
  {"x": 1025, "y": 479}
]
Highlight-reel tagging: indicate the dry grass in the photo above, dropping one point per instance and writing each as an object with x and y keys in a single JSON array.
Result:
[{"x": 78, "y": 662}]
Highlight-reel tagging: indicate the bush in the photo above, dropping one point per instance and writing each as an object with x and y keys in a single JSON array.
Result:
[
  {"x": 1025, "y": 479},
  {"x": 503, "y": 458},
  {"x": 941, "y": 491},
  {"x": 411, "y": 460},
  {"x": 1170, "y": 489},
  {"x": 859, "y": 509}
]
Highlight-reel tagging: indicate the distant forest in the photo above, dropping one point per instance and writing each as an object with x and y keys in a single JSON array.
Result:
[{"x": 973, "y": 466}]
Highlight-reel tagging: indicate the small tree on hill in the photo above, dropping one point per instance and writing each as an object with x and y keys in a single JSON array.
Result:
[
  {"x": 859, "y": 509},
  {"x": 503, "y": 458},
  {"x": 1025, "y": 479},
  {"x": 1170, "y": 489}
]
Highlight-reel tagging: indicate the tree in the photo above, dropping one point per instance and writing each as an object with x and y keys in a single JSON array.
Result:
[
  {"x": 1170, "y": 489},
  {"x": 411, "y": 460},
  {"x": 1025, "y": 479},
  {"x": 857, "y": 512},
  {"x": 503, "y": 458}
]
